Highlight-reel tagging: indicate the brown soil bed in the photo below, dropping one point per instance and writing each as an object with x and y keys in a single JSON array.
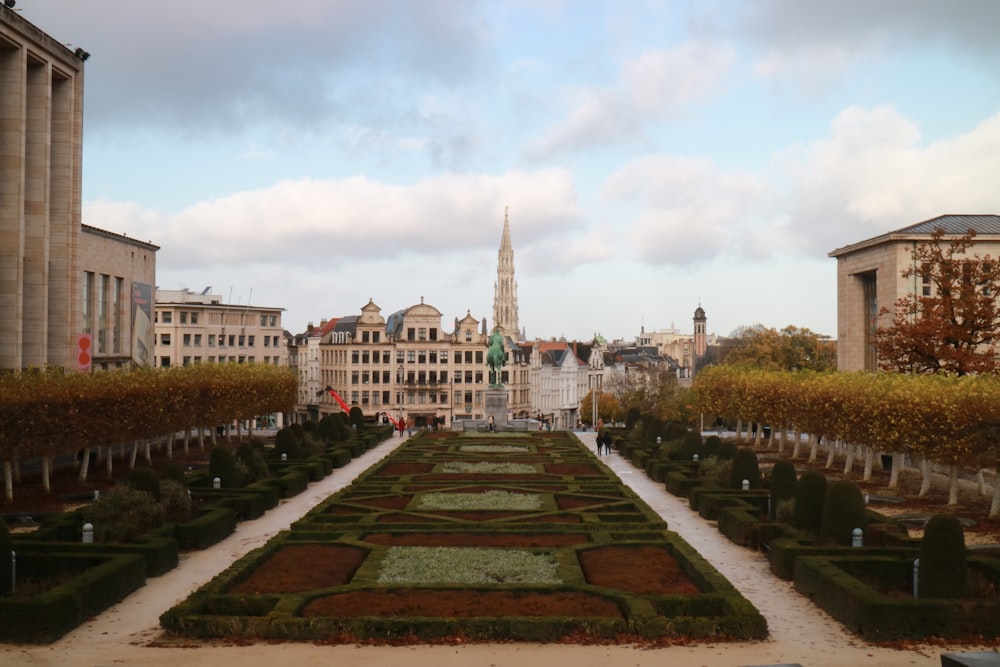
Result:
[
  {"x": 460, "y": 604},
  {"x": 641, "y": 570},
  {"x": 304, "y": 567}
]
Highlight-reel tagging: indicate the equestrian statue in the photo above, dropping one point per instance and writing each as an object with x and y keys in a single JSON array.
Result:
[{"x": 496, "y": 358}]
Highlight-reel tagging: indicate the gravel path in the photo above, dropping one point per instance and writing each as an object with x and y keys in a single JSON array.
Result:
[{"x": 800, "y": 633}]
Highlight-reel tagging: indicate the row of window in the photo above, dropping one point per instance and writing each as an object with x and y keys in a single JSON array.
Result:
[
  {"x": 191, "y": 317},
  {"x": 222, "y": 359},
  {"x": 234, "y": 340},
  {"x": 415, "y": 398},
  {"x": 417, "y": 356},
  {"x": 385, "y": 377}
]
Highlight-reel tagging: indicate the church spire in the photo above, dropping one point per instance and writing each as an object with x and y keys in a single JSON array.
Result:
[{"x": 505, "y": 288}]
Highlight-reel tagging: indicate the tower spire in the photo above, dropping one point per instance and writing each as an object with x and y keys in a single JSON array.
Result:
[{"x": 505, "y": 288}]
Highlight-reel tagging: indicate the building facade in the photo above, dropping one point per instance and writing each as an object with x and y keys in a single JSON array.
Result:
[
  {"x": 869, "y": 277},
  {"x": 41, "y": 107},
  {"x": 116, "y": 313},
  {"x": 192, "y": 328}
]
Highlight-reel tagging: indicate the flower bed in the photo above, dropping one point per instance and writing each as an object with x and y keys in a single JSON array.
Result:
[{"x": 495, "y": 558}]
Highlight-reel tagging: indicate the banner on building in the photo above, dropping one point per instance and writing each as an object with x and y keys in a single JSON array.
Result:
[
  {"x": 142, "y": 324},
  {"x": 84, "y": 353}
]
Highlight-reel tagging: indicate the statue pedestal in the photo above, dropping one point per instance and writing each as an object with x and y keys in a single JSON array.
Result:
[{"x": 496, "y": 405}]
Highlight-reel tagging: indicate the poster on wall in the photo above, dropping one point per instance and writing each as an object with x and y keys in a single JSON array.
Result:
[
  {"x": 142, "y": 323},
  {"x": 84, "y": 358}
]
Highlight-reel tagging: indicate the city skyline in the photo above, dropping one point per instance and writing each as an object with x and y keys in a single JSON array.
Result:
[{"x": 654, "y": 156}]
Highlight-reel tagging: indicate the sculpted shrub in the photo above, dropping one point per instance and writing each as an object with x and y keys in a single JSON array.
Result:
[
  {"x": 783, "y": 484},
  {"x": 943, "y": 568},
  {"x": 810, "y": 496},
  {"x": 843, "y": 511},
  {"x": 745, "y": 467}
]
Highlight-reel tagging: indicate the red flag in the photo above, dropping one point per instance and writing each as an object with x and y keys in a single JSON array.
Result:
[{"x": 339, "y": 400}]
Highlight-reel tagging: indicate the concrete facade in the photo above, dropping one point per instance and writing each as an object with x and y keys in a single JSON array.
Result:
[
  {"x": 192, "y": 328},
  {"x": 869, "y": 277},
  {"x": 41, "y": 129},
  {"x": 118, "y": 275}
]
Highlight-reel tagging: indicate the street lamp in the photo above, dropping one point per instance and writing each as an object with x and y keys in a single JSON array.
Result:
[{"x": 399, "y": 389}]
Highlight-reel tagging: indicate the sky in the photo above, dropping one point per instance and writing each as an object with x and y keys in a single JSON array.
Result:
[{"x": 652, "y": 156}]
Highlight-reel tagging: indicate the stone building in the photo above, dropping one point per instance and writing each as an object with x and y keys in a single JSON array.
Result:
[
  {"x": 41, "y": 110},
  {"x": 869, "y": 277},
  {"x": 192, "y": 328}
]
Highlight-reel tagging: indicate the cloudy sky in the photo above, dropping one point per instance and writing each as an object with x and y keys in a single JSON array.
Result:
[{"x": 313, "y": 154}]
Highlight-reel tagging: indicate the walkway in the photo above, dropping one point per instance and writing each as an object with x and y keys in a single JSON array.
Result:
[{"x": 800, "y": 633}]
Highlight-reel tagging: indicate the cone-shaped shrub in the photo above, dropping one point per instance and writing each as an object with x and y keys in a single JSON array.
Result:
[
  {"x": 286, "y": 442},
  {"x": 174, "y": 472},
  {"x": 943, "y": 570},
  {"x": 6, "y": 562},
  {"x": 843, "y": 511},
  {"x": 145, "y": 479},
  {"x": 632, "y": 416},
  {"x": 810, "y": 495},
  {"x": 745, "y": 467},
  {"x": 222, "y": 464},
  {"x": 690, "y": 445},
  {"x": 357, "y": 417},
  {"x": 711, "y": 446},
  {"x": 783, "y": 483},
  {"x": 726, "y": 450}
]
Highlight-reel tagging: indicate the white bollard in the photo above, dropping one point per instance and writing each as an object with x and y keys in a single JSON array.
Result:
[
  {"x": 746, "y": 485},
  {"x": 659, "y": 440},
  {"x": 857, "y": 538},
  {"x": 97, "y": 494},
  {"x": 216, "y": 483},
  {"x": 695, "y": 458},
  {"x": 284, "y": 456},
  {"x": 88, "y": 533},
  {"x": 916, "y": 577}
]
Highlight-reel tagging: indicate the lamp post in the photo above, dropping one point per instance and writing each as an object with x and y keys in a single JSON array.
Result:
[{"x": 399, "y": 389}]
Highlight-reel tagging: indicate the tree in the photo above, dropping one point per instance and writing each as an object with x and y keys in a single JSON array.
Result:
[
  {"x": 951, "y": 325},
  {"x": 608, "y": 408},
  {"x": 790, "y": 349},
  {"x": 648, "y": 387}
]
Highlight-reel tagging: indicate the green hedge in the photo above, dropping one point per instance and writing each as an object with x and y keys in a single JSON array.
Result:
[{"x": 101, "y": 580}]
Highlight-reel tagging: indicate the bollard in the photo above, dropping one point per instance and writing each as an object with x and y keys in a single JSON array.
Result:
[
  {"x": 916, "y": 577},
  {"x": 866, "y": 499},
  {"x": 659, "y": 440},
  {"x": 857, "y": 538},
  {"x": 97, "y": 494},
  {"x": 695, "y": 458},
  {"x": 284, "y": 456},
  {"x": 746, "y": 485},
  {"x": 13, "y": 570},
  {"x": 88, "y": 533},
  {"x": 216, "y": 483}
]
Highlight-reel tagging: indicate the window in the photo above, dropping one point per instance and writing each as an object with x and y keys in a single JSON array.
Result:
[
  {"x": 479, "y": 356},
  {"x": 187, "y": 361},
  {"x": 365, "y": 336},
  {"x": 468, "y": 356},
  {"x": 194, "y": 318},
  {"x": 273, "y": 320},
  {"x": 243, "y": 340},
  {"x": 165, "y": 339},
  {"x": 355, "y": 375},
  {"x": 468, "y": 336},
  {"x": 250, "y": 340},
  {"x": 364, "y": 398},
  {"x": 267, "y": 341},
  {"x": 364, "y": 357},
  {"x": 364, "y": 377},
  {"x": 432, "y": 356},
  {"x": 411, "y": 334},
  {"x": 187, "y": 341},
  {"x": 434, "y": 333},
  {"x": 421, "y": 333},
  {"x": 232, "y": 340},
  {"x": 458, "y": 356},
  {"x": 411, "y": 356},
  {"x": 164, "y": 362},
  {"x": 167, "y": 316},
  {"x": 355, "y": 355},
  {"x": 457, "y": 377},
  {"x": 211, "y": 341},
  {"x": 422, "y": 356},
  {"x": 197, "y": 340},
  {"x": 275, "y": 341},
  {"x": 184, "y": 319},
  {"x": 263, "y": 320},
  {"x": 375, "y": 336}
]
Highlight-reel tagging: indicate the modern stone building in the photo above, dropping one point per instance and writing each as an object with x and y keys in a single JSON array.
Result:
[
  {"x": 116, "y": 307},
  {"x": 41, "y": 135},
  {"x": 192, "y": 328},
  {"x": 869, "y": 277}
]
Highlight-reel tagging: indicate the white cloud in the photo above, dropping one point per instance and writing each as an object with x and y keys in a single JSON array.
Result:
[{"x": 667, "y": 82}]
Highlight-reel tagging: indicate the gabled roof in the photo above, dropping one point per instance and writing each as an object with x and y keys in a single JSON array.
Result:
[{"x": 952, "y": 224}]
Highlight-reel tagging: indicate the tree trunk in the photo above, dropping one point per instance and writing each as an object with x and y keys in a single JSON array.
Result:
[
  {"x": 953, "y": 485},
  {"x": 8, "y": 481},
  {"x": 927, "y": 469},
  {"x": 145, "y": 451},
  {"x": 869, "y": 463},
  {"x": 797, "y": 446},
  {"x": 995, "y": 505},
  {"x": 109, "y": 467},
  {"x": 239, "y": 430},
  {"x": 849, "y": 460},
  {"x": 782, "y": 441},
  {"x": 201, "y": 438},
  {"x": 831, "y": 454},
  {"x": 135, "y": 451},
  {"x": 981, "y": 482},
  {"x": 813, "y": 447},
  {"x": 211, "y": 434},
  {"x": 46, "y": 471},
  {"x": 897, "y": 463},
  {"x": 85, "y": 464},
  {"x": 739, "y": 430},
  {"x": 17, "y": 467}
]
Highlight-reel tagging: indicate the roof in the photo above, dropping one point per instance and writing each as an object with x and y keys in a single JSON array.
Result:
[{"x": 952, "y": 224}]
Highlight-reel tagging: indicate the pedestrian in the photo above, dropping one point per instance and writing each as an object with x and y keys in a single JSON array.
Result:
[
  {"x": 491, "y": 424},
  {"x": 401, "y": 424},
  {"x": 600, "y": 444}
]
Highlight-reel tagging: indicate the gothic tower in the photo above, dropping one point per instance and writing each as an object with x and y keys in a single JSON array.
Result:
[{"x": 505, "y": 288}]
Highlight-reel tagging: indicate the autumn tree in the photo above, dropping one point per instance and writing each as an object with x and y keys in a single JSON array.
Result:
[
  {"x": 950, "y": 325},
  {"x": 793, "y": 348}
]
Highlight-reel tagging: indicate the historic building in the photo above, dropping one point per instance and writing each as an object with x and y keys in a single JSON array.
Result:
[
  {"x": 505, "y": 288},
  {"x": 198, "y": 327},
  {"x": 869, "y": 277}
]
